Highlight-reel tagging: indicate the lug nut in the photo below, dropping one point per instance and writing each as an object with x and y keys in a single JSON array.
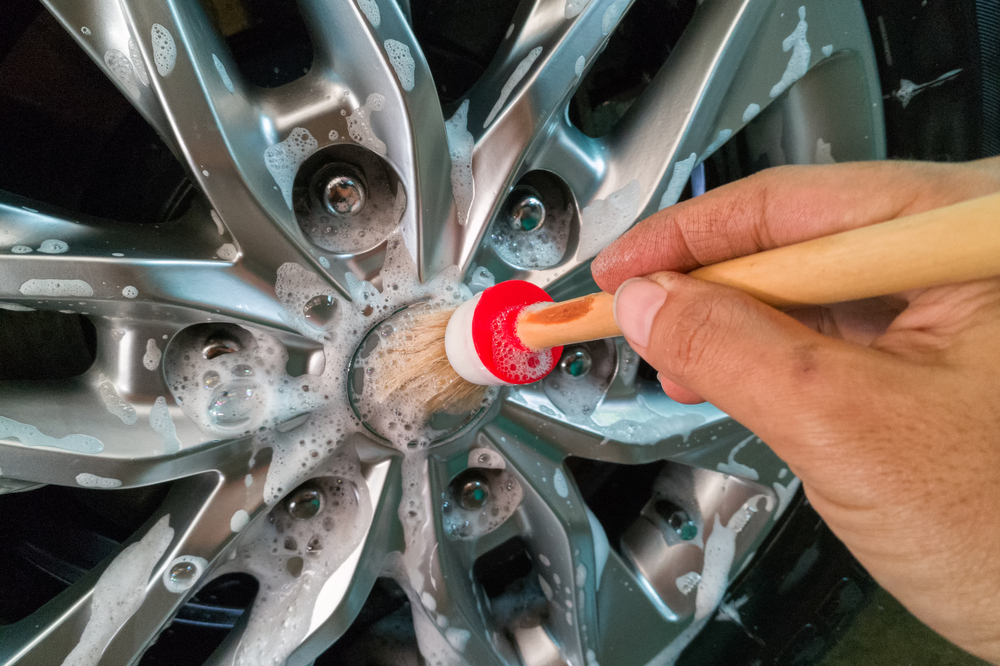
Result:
[
  {"x": 526, "y": 209},
  {"x": 471, "y": 490},
  {"x": 305, "y": 502},
  {"x": 576, "y": 362},
  {"x": 342, "y": 191}
]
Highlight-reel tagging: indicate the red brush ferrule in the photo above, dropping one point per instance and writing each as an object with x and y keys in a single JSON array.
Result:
[{"x": 494, "y": 333}]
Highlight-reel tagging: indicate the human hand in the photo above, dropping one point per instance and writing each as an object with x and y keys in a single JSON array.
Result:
[{"x": 887, "y": 409}]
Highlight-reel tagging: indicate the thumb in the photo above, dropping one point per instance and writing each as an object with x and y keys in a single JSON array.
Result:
[{"x": 716, "y": 343}]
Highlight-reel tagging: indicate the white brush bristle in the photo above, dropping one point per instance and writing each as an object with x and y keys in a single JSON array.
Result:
[{"x": 413, "y": 362}]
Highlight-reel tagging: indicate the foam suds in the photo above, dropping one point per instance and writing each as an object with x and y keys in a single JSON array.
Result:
[
  {"x": 21, "y": 249},
  {"x": 715, "y": 145},
  {"x": 121, "y": 68},
  {"x": 85, "y": 30},
  {"x": 183, "y": 572},
  {"x": 738, "y": 469},
  {"x": 130, "y": 292},
  {"x": 606, "y": 219},
  {"x": 119, "y": 593},
  {"x": 359, "y": 124},
  {"x": 688, "y": 582},
  {"x": 785, "y": 494},
  {"x": 602, "y": 548},
  {"x": 515, "y": 78},
  {"x": 151, "y": 359},
  {"x": 114, "y": 403},
  {"x": 460, "y": 147},
  {"x": 228, "y": 252},
  {"x": 480, "y": 280},
  {"x": 827, "y": 50},
  {"x": 370, "y": 9},
  {"x": 163, "y": 424},
  {"x": 249, "y": 392},
  {"x": 682, "y": 171},
  {"x": 542, "y": 247},
  {"x": 402, "y": 61},
  {"x": 574, "y": 7},
  {"x": 30, "y": 436},
  {"x": 751, "y": 112},
  {"x": 94, "y": 481},
  {"x": 798, "y": 64},
  {"x": 140, "y": 65},
  {"x": 77, "y": 288},
  {"x": 223, "y": 74},
  {"x": 164, "y": 50},
  {"x": 720, "y": 549},
  {"x": 612, "y": 14},
  {"x": 283, "y": 159},
  {"x": 487, "y": 459},
  {"x": 559, "y": 481},
  {"x": 824, "y": 154},
  {"x": 581, "y": 63},
  {"x": 239, "y": 520}
]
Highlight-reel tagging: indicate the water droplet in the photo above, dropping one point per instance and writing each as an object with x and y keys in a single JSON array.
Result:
[
  {"x": 210, "y": 379},
  {"x": 183, "y": 572},
  {"x": 234, "y": 404}
]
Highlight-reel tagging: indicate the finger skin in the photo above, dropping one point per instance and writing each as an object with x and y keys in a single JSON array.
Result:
[
  {"x": 894, "y": 430},
  {"x": 896, "y": 448}
]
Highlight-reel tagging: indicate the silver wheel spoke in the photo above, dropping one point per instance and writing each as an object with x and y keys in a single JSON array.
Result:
[
  {"x": 513, "y": 106},
  {"x": 199, "y": 509},
  {"x": 720, "y": 76}
]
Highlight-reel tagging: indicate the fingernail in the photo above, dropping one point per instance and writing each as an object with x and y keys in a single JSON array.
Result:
[{"x": 636, "y": 304}]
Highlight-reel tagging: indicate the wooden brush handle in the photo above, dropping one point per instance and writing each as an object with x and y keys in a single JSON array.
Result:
[{"x": 957, "y": 243}]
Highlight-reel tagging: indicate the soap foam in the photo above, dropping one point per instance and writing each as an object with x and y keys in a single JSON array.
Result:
[
  {"x": 359, "y": 124},
  {"x": 151, "y": 359},
  {"x": 606, "y": 219},
  {"x": 370, "y": 9},
  {"x": 515, "y": 78},
  {"x": 283, "y": 159},
  {"x": 130, "y": 292},
  {"x": 164, "y": 50},
  {"x": 30, "y": 436},
  {"x": 751, "y": 112},
  {"x": 716, "y": 144},
  {"x": 37, "y": 287},
  {"x": 402, "y": 62},
  {"x": 738, "y": 469},
  {"x": 228, "y": 252},
  {"x": 163, "y": 424},
  {"x": 122, "y": 70},
  {"x": 573, "y": 8},
  {"x": 505, "y": 496},
  {"x": 824, "y": 154},
  {"x": 15, "y": 307},
  {"x": 581, "y": 63},
  {"x": 114, "y": 403},
  {"x": 543, "y": 247},
  {"x": 223, "y": 74},
  {"x": 120, "y": 592},
  {"x": 460, "y": 147},
  {"x": 612, "y": 14},
  {"x": 140, "y": 65},
  {"x": 798, "y": 64},
  {"x": 682, "y": 171},
  {"x": 93, "y": 481}
]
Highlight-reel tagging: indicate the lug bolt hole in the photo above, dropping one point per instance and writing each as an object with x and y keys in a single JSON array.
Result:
[{"x": 342, "y": 191}]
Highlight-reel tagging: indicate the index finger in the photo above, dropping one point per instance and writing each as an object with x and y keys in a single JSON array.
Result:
[{"x": 782, "y": 206}]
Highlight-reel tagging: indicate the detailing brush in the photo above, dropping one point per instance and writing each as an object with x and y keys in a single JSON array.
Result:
[{"x": 512, "y": 333}]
